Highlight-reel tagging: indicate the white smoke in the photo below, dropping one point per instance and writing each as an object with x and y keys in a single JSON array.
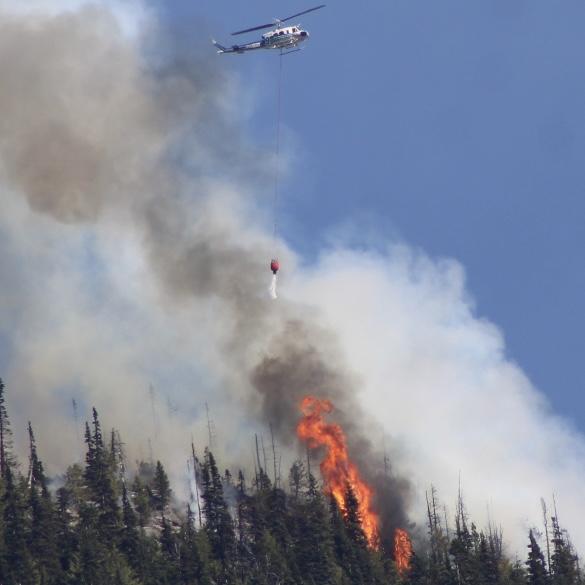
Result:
[
  {"x": 159, "y": 291},
  {"x": 437, "y": 379},
  {"x": 131, "y": 15}
]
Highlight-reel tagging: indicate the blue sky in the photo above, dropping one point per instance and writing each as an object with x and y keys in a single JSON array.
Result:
[{"x": 457, "y": 126}]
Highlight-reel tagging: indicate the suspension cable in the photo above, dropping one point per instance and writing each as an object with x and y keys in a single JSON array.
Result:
[{"x": 277, "y": 164}]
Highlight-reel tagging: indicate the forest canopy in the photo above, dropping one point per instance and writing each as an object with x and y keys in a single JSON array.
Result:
[{"x": 103, "y": 524}]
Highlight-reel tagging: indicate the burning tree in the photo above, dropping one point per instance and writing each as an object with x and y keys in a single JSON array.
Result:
[
  {"x": 343, "y": 481},
  {"x": 342, "y": 477}
]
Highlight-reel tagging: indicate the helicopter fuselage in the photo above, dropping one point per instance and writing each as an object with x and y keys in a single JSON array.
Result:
[{"x": 285, "y": 38}]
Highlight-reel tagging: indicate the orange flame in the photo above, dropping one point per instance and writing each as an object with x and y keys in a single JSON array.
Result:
[
  {"x": 402, "y": 550},
  {"x": 336, "y": 468}
]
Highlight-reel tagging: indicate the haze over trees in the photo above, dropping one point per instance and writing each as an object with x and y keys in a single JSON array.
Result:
[{"x": 102, "y": 525}]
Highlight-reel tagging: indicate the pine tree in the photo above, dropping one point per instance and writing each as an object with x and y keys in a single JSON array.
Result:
[
  {"x": 170, "y": 552},
  {"x": 117, "y": 460},
  {"x": 563, "y": 561},
  {"x": 353, "y": 518},
  {"x": 278, "y": 519},
  {"x": 247, "y": 532},
  {"x": 6, "y": 459},
  {"x": 218, "y": 522},
  {"x": 313, "y": 537},
  {"x": 271, "y": 564},
  {"x": 92, "y": 549},
  {"x": 297, "y": 479},
  {"x": 362, "y": 556},
  {"x": 346, "y": 552},
  {"x": 464, "y": 548},
  {"x": 42, "y": 541},
  {"x": 418, "y": 573},
  {"x": 130, "y": 537},
  {"x": 100, "y": 481},
  {"x": 76, "y": 486},
  {"x": 537, "y": 574},
  {"x": 190, "y": 564},
  {"x": 90, "y": 456},
  {"x": 512, "y": 573},
  {"x": 440, "y": 570},
  {"x": 17, "y": 566},
  {"x": 66, "y": 535},
  {"x": 142, "y": 501},
  {"x": 362, "y": 562},
  {"x": 161, "y": 488},
  {"x": 488, "y": 562}
]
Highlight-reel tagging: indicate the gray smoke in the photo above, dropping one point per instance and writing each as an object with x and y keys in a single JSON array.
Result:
[
  {"x": 305, "y": 360},
  {"x": 96, "y": 130}
]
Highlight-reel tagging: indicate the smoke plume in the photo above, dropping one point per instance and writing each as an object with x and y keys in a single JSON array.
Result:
[
  {"x": 134, "y": 251},
  {"x": 111, "y": 139}
]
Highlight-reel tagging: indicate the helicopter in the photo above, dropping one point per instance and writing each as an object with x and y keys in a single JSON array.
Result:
[{"x": 285, "y": 38}]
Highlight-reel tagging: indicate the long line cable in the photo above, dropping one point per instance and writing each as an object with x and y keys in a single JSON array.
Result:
[{"x": 277, "y": 162}]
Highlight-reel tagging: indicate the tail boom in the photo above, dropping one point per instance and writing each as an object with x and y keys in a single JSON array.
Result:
[{"x": 240, "y": 49}]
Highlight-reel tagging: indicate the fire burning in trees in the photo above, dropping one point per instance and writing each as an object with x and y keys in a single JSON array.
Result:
[
  {"x": 338, "y": 472},
  {"x": 402, "y": 550},
  {"x": 336, "y": 468}
]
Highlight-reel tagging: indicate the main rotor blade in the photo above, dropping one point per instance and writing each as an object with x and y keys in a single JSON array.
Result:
[
  {"x": 303, "y": 12},
  {"x": 278, "y": 21},
  {"x": 254, "y": 28}
]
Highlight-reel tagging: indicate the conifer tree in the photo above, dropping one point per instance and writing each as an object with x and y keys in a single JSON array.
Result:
[
  {"x": 297, "y": 479},
  {"x": 361, "y": 554},
  {"x": 100, "y": 481},
  {"x": 278, "y": 519},
  {"x": 464, "y": 548},
  {"x": 42, "y": 541},
  {"x": 142, "y": 501},
  {"x": 418, "y": 573},
  {"x": 17, "y": 565},
  {"x": 345, "y": 550},
  {"x": 189, "y": 560},
  {"x": 76, "y": 486},
  {"x": 313, "y": 537},
  {"x": 512, "y": 573},
  {"x": 440, "y": 570},
  {"x": 361, "y": 557},
  {"x": 117, "y": 460},
  {"x": 563, "y": 560},
  {"x": 89, "y": 456},
  {"x": 5, "y": 435},
  {"x": 130, "y": 538},
  {"x": 488, "y": 562},
  {"x": 170, "y": 552},
  {"x": 161, "y": 488},
  {"x": 537, "y": 574},
  {"x": 92, "y": 546},
  {"x": 193, "y": 553},
  {"x": 218, "y": 522},
  {"x": 247, "y": 532},
  {"x": 271, "y": 564},
  {"x": 353, "y": 519},
  {"x": 66, "y": 536}
]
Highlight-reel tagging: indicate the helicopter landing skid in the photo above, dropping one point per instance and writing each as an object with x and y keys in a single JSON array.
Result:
[{"x": 283, "y": 53}]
